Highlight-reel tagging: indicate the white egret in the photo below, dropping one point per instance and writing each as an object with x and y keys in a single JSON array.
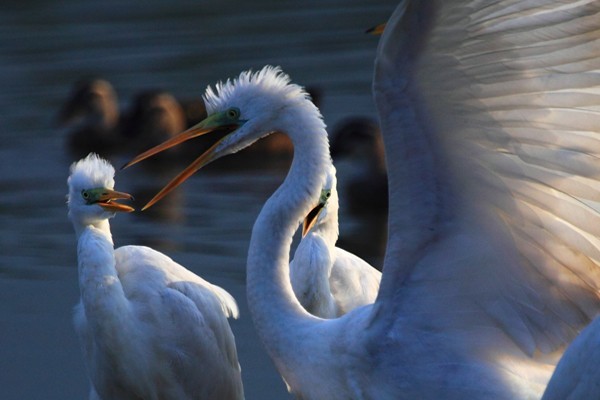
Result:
[
  {"x": 329, "y": 281},
  {"x": 149, "y": 328},
  {"x": 489, "y": 111}
]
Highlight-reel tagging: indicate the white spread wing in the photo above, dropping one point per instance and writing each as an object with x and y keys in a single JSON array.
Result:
[{"x": 491, "y": 114}]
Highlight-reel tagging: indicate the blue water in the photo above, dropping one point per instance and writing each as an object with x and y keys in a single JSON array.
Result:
[{"x": 180, "y": 46}]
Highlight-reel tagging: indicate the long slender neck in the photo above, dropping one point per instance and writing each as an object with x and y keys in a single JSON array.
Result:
[
  {"x": 329, "y": 229},
  {"x": 101, "y": 291},
  {"x": 101, "y": 225},
  {"x": 275, "y": 310}
]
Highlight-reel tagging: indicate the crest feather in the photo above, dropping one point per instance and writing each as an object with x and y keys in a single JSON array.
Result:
[
  {"x": 268, "y": 80},
  {"x": 91, "y": 172}
]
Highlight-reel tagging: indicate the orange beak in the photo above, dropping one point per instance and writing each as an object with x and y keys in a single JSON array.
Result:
[
  {"x": 212, "y": 123},
  {"x": 191, "y": 133},
  {"x": 198, "y": 163},
  {"x": 108, "y": 203},
  {"x": 311, "y": 218}
]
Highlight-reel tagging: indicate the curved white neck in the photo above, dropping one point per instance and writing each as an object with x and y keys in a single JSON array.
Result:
[
  {"x": 329, "y": 230},
  {"x": 276, "y": 312},
  {"x": 102, "y": 225},
  {"x": 101, "y": 291}
]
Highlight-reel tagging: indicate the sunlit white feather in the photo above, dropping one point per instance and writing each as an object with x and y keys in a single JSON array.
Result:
[{"x": 148, "y": 327}]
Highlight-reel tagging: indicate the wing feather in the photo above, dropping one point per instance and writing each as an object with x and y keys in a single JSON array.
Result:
[{"x": 490, "y": 112}]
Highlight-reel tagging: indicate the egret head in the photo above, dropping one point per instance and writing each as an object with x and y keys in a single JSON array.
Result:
[
  {"x": 91, "y": 195},
  {"x": 247, "y": 108},
  {"x": 326, "y": 210}
]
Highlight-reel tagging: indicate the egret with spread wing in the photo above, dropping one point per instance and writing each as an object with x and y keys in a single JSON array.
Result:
[
  {"x": 149, "y": 328},
  {"x": 329, "y": 281},
  {"x": 489, "y": 112}
]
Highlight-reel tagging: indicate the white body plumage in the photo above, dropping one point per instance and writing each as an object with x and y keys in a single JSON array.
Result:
[
  {"x": 149, "y": 328},
  {"x": 489, "y": 113},
  {"x": 327, "y": 280}
]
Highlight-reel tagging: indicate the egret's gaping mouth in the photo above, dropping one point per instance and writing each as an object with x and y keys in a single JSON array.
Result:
[
  {"x": 312, "y": 218},
  {"x": 107, "y": 200},
  {"x": 227, "y": 121}
]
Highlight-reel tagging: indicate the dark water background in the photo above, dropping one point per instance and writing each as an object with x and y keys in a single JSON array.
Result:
[{"x": 180, "y": 46}]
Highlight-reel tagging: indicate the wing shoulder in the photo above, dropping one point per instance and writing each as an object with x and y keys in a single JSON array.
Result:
[{"x": 144, "y": 270}]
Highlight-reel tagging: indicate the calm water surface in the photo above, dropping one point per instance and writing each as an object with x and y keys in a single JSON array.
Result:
[{"x": 180, "y": 46}]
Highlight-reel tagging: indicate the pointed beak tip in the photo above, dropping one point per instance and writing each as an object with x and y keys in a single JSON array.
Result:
[
  {"x": 109, "y": 203},
  {"x": 204, "y": 159},
  {"x": 152, "y": 202}
]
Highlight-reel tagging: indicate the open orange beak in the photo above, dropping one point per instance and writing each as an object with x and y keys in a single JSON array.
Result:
[
  {"x": 107, "y": 201},
  {"x": 311, "y": 218},
  {"x": 191, "y": 133},
  {"x": 219, "y": 121}
]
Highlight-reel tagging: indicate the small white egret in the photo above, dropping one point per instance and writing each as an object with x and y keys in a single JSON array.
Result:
[
  {"x": 329, "y": 281},
  {"x": 148, "y": 327},
  {"x": 489, "y": 112}
]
